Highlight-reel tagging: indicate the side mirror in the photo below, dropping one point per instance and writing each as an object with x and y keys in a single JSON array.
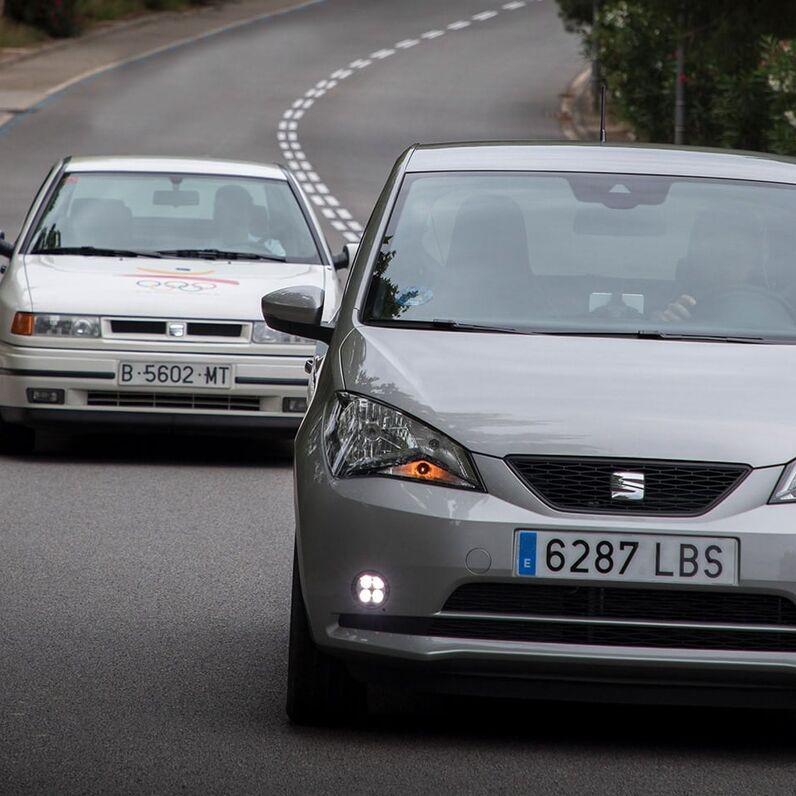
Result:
[
  {"x": 346, "y": 257},
  {"x": 298, "y": 311},
  {"x": 6, "y": 248}
]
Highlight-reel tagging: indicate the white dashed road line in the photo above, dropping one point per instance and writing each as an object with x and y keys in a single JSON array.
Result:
[{"x": 328, "y": 205}]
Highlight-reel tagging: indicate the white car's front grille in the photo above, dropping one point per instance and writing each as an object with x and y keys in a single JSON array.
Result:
[
  {"x": 163, "y": 400},
  {"x": 178, "y": 330}
]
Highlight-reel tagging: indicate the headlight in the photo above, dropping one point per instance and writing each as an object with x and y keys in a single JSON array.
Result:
[
  {"x": 28, "y": 323},
  {"x": 365, "y": 437},
  {"x": 785, "y": 490},
  {"x": 263, "y": 333}
]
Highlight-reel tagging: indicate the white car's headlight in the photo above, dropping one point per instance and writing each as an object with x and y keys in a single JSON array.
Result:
[
  {"x": 263, "y": 333},
  {"x": 365, "y": 437},
  {"x": 29, "y": 323},
  {"x": 785, "y": 490}
]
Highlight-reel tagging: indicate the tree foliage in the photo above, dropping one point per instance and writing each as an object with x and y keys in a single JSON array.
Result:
[
  {"x": 728, "y": 44},
  {"x": 68, "y": 17},
  {"x": 56, "y": 17}
]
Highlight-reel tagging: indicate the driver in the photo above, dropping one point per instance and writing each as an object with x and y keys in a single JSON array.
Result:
[
  {"x": 233, "y": 217},
  {"x": 725, "y": 250}
]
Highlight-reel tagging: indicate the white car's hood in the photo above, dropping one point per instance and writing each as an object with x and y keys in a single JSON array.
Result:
[{"x": 138, "y": 287}]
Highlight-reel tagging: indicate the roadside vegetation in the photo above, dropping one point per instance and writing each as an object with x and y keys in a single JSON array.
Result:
[
  {"x": 26, "y": 21},
  {"x": 701, "y": 72}
]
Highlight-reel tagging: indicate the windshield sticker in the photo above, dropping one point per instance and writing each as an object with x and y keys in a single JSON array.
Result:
[{"x": 416, "y": 296}]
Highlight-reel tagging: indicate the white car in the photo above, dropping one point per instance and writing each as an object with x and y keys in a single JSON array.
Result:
[{"x": 132, "y": 298}]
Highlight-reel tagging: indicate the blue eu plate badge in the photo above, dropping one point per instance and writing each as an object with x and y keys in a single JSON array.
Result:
[{"x": 526, "y": 553}]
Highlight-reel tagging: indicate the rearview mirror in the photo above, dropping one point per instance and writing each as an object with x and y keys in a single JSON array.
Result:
[
  {"x": 176, "y": 198},
  {"x": 297, "y": 311}
]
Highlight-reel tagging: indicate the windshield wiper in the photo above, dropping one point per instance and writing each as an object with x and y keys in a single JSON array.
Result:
[
  {"x": 652, "y": 334},
  {"x": 219, "y": 254},
  {"x": 95, "y": 251},
  {"x": 446, "y": 325}
]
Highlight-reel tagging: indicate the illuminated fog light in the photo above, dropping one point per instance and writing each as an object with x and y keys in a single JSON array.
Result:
[{"x": 370, "y": 589}]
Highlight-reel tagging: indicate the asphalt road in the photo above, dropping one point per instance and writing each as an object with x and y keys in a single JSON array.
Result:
[{"x": 144, "y": 580}]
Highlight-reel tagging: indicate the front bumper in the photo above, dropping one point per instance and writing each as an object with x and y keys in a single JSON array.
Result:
[
  {"x": 256, "y": 400},
  {"x": 419, "y": 537}
]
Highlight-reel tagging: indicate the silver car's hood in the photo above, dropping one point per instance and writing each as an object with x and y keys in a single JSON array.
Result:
[{"x": 499, "y": 394}]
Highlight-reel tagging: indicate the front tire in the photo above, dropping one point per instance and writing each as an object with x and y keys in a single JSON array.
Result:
[{"x": 320, "y": 690}]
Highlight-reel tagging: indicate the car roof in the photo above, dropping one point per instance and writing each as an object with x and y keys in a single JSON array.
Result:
[
  {"x": 237, "y": 168},
  {"x": 602, "y": 158}
]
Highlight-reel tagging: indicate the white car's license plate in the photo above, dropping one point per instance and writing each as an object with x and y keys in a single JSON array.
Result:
[
  {"x": 706, "y": 560},
  {"x": 174, "y": 374}
]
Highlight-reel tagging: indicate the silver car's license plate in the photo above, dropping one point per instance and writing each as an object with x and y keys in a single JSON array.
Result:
[
  {"x": 704, "y": 560},
  {"x": 174, "y": 374}
]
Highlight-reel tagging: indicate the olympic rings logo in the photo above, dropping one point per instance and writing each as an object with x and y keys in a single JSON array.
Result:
[{"x": 176, "y": 284}]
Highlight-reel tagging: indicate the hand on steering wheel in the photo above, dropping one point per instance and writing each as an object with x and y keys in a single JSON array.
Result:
[{"x": 679, "y": 310}]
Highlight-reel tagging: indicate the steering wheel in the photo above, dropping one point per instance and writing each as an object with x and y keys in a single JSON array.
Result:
[{"x": 744, "y": 305}]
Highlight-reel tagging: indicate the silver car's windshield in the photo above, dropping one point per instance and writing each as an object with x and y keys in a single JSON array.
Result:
[
  {"x": 175, "y": 215},
  {"x": 590, "y": 254}
]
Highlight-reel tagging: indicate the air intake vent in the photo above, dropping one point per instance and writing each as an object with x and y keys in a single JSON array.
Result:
[
  {"x": 138, "y": 327},
  {"x": 155, "y": 400},
  {"x": 603, "y": 602},
  {"x": 214, "y": 329}
]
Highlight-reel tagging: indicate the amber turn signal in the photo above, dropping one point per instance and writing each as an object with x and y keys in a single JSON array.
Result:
[
  {"x": 22, "y": 323},
  {"x": 424, "y": 470}
]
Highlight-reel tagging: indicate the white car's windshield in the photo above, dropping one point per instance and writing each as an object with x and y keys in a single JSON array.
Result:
[
  {"x": 175, "y": 215},
  {"x": 590, "y": 254}
]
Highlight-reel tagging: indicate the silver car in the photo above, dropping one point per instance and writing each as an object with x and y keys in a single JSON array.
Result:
[{"x": 550, "y": 451}]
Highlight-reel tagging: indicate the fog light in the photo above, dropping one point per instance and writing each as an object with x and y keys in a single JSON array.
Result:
[
  {"x": 294, "y": 405},
  {"x": 370, "y": 589},
  {"x": 37, "y": 395}
]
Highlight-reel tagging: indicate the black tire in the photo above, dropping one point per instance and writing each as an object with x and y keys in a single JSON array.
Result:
[
  {"x": 16, "y": 440},
  {"x": 320, "y": 690}
]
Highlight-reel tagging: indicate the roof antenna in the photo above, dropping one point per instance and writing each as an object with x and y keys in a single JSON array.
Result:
[{"x": 602, "y": 113}]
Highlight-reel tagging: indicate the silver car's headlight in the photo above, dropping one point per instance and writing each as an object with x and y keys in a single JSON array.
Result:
[
  {"x": 365, "y": 437},
  {"x": 785, "y": 490},
  {"x": 263, "y": 333},
  {"x": 50, "y": 325}
]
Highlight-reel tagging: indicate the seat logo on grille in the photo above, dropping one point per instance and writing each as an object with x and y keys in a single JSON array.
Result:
[
  {"x": 627, "y": 486},
  {"x": 177, "y": 329}
]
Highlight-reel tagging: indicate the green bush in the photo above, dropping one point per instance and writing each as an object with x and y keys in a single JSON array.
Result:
[
  {"x": 733, "y": 61},
  {"x": 779, "y": 71}
]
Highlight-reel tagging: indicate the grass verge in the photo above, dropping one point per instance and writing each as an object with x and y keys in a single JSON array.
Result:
[{"x": 15, "y": 34}]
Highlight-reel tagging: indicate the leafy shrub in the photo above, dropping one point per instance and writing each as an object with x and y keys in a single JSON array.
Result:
[
  {"x": 56, "y": 17},
  {"x": 779, "y": 71},
  {"x": 734, "y": 62}
]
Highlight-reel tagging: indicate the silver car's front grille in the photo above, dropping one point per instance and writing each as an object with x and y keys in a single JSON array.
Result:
[
  {"x": 666, "y": 487},
  {"x": 165, "y": 400},
  {"x": 604, "y": 616}
]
